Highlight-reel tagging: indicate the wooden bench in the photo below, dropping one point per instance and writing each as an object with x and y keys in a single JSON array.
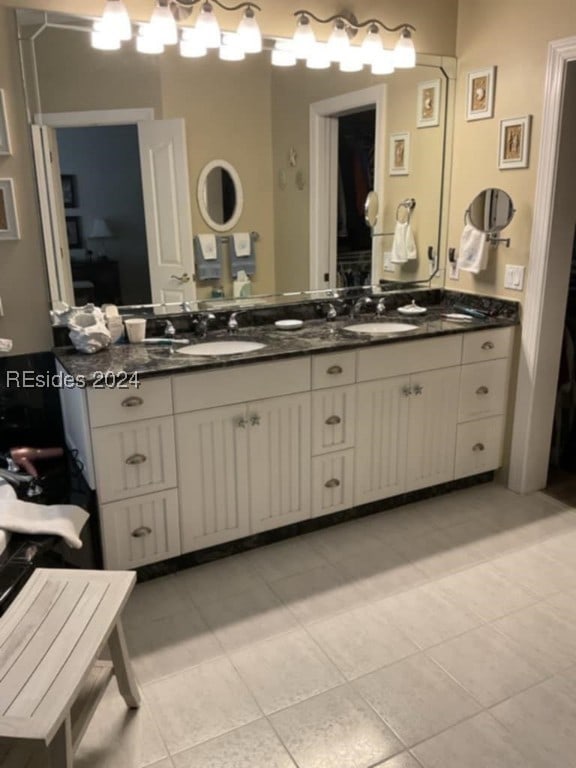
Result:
[{"x": 51, "y": 676}]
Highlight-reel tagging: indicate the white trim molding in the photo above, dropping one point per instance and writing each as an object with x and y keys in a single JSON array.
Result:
[
  {"x": 543, "y": 317},
  {"x": 94, "y": 117}
]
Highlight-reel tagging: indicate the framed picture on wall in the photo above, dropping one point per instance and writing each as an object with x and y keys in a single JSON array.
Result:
[
  {"x": 428, "y": 104},
  {"x": 480, "y": 94},
  {"x": 4, "y": 133},
  {"x": 69, "y": 191},
  {"x": 9, "y": 229},
  {"x": 74, "y": 231},
  {"x": 514, "y": 146},
  {"x": 399, "y": 154}
]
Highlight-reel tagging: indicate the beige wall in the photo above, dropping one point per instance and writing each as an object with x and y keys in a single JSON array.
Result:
[{"x": 513, "y": 35}]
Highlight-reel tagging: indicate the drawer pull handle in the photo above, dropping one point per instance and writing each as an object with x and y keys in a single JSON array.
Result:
[
  {"x": 333, "y": 483},
  {"x": 488, "y": 345},
  {"x": 255, "y": 420},
  {"x": 131, "y": 402},
  {"x": 242, "y": 423},
  {"x": 478, "y": 447},
  {"x": 406, "y": 391},
  {"x": 482, "y": 390},
  {"x": 334, "y": 370},
  {"x": 136, "y": 458},
  {"x": 138, "y": 533},
  {"x": 332, "y": 420},
  {"x": 418, "y": 389}
]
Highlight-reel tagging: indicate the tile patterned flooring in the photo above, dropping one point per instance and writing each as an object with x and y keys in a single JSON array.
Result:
[{"x": 438, "y": 635}]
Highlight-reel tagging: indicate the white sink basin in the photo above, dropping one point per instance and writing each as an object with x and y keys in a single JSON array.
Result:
[
  {"x": 380, "y": 328},
  {"x": 213, "y": 348}
]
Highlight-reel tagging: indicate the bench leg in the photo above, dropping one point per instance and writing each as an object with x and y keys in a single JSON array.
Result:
[
  {"x": 60, "y": 748},
  {"x": 123, "y": 667}
]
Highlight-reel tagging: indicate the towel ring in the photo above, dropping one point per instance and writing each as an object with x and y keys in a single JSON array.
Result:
[{"x": 409, "y": 203}]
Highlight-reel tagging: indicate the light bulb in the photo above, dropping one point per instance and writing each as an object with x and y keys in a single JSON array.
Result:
[
  {"x": 372, "y": 45},
  {"x": 353, "y": 61},
  {"x": 208, "y": 27},
  {"x": 383, "y": 64},
  {"x": 318, "y": 58},
  {"x": 304, "y": 38},
  {"x": 190, "y": 45},
  {"x": 147, "y": 40},
  {"x": 116, "y": 20},
  {"x": 404, "y": 53},
  {"x": 283, "y": 54},
  {"x": 338, "y": 42},
  {"x": 102, "y": 39},
  {"x": 249, "y": 32},
  {"x": 163, "y": 25}
]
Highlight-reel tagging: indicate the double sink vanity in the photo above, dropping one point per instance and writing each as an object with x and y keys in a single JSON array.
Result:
[{"x": 317, "y": 421}]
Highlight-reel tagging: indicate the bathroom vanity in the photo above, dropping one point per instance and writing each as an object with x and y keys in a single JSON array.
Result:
[{"x": 207, "y": 451}]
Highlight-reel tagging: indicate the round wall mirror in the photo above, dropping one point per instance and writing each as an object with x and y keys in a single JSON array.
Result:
[
  {"x": 491, "y": 210},
  {"x": 220, "y": 196},
  {"x": 371, "y": 209}
]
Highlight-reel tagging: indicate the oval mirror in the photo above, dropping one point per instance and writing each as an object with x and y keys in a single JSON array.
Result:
[
  {"x": 371, "y": 209},
  {"x": 220, "y": 196},
  {"x": 491, "y": 210}
]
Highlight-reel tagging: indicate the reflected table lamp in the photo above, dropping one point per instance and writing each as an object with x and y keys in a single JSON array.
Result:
[{"x": 100, "y": 232}]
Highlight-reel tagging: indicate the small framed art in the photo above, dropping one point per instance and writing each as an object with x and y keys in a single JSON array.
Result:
[
  {"x": 9, "y": 229},
  {"x": 4, "y": 133},
  {"x": 399, "y": 154},
  {"x": 428, "y": 104},
  {"x": 69, "y": 191},
  {"x": 480, "y": 94},
  {"x": 73, "y": 231},
  {"x": 514, "y": 147}
]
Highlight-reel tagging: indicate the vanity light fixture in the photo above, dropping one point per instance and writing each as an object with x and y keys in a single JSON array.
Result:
[
  {"x": 102, "y": 39},
  {"x": 147, "y": 40},
  {"x": 404, "y": 52},
  {"x": 231, "y": 48},
  {"x": 163, "y": 25},
  {"x": 115, "y": 21}
]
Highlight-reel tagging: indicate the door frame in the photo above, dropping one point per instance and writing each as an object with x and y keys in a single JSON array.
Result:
[
  {"x": 543, "y": 322},
  {"x": 323, "y": 180}
]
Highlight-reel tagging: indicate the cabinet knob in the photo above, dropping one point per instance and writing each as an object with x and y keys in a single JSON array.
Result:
[
  {"x": 242, "y": 423},
  {"x": 131, "y": 402},
  {"x": 136, "y": 458},
  {"x": 488, "y": 345},
  {"x": 483, "y": 390},
  {"x": 334, "y": 370},
  {"x": 478, "y": 447},
  {"x": 138, "y": 533},
  {"x": 333, "y": 483},
  {"x": 332, "y": 420},
  {"x": 418, "y": 389},
  {"x": 406, "y": 391},
  {"x": 255, "y": 420}
]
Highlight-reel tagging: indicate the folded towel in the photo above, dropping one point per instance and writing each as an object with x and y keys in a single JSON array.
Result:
[
  {"x": 246, "y": 260},
  {"x": 208, "y": 257},
  {"x": 65, "y": 520},
  {"x": 404, "y": 245},
  {"x": 473, "y": 252}
]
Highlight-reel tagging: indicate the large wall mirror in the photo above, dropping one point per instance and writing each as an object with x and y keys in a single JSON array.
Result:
[{"x": 257, "y": 117}]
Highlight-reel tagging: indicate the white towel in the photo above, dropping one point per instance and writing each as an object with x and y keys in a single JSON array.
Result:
[
  {"x": 242, "y": 244},
  {"x": 208, "y": 246},
  {"x": 404, "y": 245},
  {"x": 65, "y": 520},
  {"x": 473, "y": 253}
]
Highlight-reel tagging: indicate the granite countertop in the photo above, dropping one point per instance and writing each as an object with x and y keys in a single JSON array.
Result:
[{"x": 314, "y": 337}]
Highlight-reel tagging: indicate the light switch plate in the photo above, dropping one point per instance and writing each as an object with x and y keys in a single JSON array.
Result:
[
  {"x": 453, "y": 270},
  {"x": 514, "y": 277}
]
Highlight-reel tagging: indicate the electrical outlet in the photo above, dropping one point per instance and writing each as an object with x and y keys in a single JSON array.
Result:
[
  {"x": 388, "y": 265},
  {"x": 514, "y": 277}
]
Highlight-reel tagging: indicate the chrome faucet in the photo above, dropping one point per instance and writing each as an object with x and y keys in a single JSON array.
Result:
[
  {"x": 233, "y": 323},
  {"x": 381, "y": 307},
  {"x": 202, "y": 324},
  {"x": 363, "y": 301},
  {"x": 331, "y": 311},
  {"x": 169, "y": 330}
]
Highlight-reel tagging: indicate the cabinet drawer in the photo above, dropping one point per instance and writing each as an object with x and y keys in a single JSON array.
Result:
[
  {"x": 226, "y": 386},
  {"x": 140, "y": 530},
  {"x": 483, "y": 389},
  {"x": 333, "y": 419},
  {"x": 136, "y": 458},
  {"x": 408, "y": 357},
  {"x": 117, "y": 406},
  {"x": 333, "y": 483},
  {"x": 333, "y": 370},
  {"x": 479, "y": 446},
  {"x": 487, "y": 345}
]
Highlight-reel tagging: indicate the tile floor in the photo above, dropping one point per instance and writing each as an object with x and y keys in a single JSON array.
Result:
[{"x": 438, "y": 635}]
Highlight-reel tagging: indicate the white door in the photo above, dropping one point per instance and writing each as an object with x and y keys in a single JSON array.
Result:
[
  {"x": 52, "y": 213},
  {"x": 167, "y": 208},
  {"x": 280, "y": 461}
]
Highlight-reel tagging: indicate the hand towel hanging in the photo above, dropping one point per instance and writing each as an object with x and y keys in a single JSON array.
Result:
[{"x": 473, "y": 252}]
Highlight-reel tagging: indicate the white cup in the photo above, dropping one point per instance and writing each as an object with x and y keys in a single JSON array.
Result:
[{"x": 136, "y": 329}]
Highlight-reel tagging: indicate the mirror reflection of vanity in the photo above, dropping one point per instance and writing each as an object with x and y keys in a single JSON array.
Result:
[{"x": 254, "y": 119}]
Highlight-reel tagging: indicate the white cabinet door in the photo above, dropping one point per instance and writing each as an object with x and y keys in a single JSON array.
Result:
[
  {"x": 432, "y": 428},
  {"x": 381, "y": 434},
  {"x": 280, "y": 459},
  {"x": 212, "y": 451}
]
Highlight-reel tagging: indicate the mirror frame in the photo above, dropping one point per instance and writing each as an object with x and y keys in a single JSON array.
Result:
[{"x": 203, "y": 203}]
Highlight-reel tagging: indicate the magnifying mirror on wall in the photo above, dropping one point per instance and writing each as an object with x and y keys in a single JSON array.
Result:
[
  {"x": 220, "y": 195},
  {"x": 491, "y": 210}
]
